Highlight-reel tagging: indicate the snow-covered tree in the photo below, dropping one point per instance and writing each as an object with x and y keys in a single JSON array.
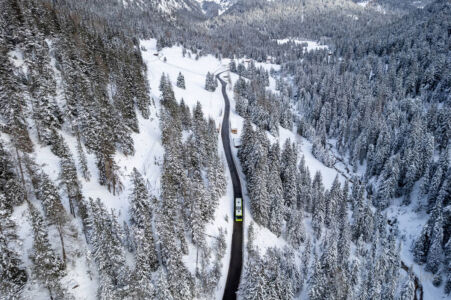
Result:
[
  {"x": 181, "y": 81},
  {"x": 48, "y": 267}
]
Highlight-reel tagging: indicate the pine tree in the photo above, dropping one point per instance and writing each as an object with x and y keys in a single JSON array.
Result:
[
  {"x": 275, "y": 190},
  {"x": 197, "y": 213},
  {"x": 83, "y": 161},
  {"x": 318, "y": 212},
  {"x": 258, "y": 194},
  {"x": 186, "y": 115},
  {"x": 141, "y": 219},
  {"x": 210, "y": 82},
  {"x": 250, "y": 239},
  {"x": 408, "y": 288},
  {"x": 295, "y": 228},
  {"x": 162, "y": 291},
  {"x": 288, "y": 174},
  {"x": 47, "y": 266},
  {"x": 140, "y": 206},
  {"x": 344, "y": 239},
  {"x": 253, "y": 285},
  {"x": 10, "y": 185},
  {"x": 232, "y": 66},
  {"x": 388, "y": 185},
  {"x": 447, "y": 271},
  {"x": 54, "y": 210},
  {"x": 12, "y": 274},
  {"x": 109, "y": 173},
  {"x": 181, "y": 81},
  {"x": 332, "y": 200},
  {"x": 107, "y": 250},
  {"x": 141, "y": 286},
  {"x": 318, "y": 286},
  {"x": 434, "y": 255},
  {"x": 69, "y": 178}
]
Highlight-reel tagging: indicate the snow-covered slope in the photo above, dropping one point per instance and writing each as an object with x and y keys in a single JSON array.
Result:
[
  {"x": 81, "y": 278},
  {"x": 213, "y": 8}
]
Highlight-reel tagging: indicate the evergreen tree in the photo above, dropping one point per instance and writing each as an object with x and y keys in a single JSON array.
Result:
[
  {"x": 83, "y": 161},
  {"x": 295, "y": 228},
  {"x": 318, "y": 212},
  {"x": 162, "y": 291},
  {"x": 210, "y": 82},
  {"x": 434, "y": 255},
  {"x": 141, "y": 220},
  {"x": 141, "y": 286},
  {"x": 10, "y": 185},
  {"x": 408, "y": 288},
  {"x": 288, "y": 174},
  {"x": 12, "y": 274},
  {"x": 318, "y": 286},
  {"x": 181, "y": 81},
  {"x": 54, "y": 210},
  {"x": 332, "y": 200},
  {"x": 107, "y": 250},
  {"x": 232, "y": 66},
  {"x": 275, "y": 190},
  {"x": 47, "y": 266}
]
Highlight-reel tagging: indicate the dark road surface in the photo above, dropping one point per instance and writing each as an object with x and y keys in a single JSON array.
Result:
[{"x": 236, "y": 259}]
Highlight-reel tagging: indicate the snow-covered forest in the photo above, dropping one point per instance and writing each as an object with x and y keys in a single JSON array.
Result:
[{"x": 114, "y": 182}]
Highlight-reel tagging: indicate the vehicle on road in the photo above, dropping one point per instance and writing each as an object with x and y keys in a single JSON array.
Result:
[{"x": 238, "y": 210}]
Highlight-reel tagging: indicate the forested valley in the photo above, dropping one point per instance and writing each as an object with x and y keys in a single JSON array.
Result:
[{"x": 114, "y": 182}]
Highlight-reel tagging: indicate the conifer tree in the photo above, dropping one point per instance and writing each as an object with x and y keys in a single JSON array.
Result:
[
  {"x": 288, "y": 174},
  {"x": 10, "y": 184},
  {"x": 47, "y": 266},
  {"x": 54, "y": 210},
  {"x": 83, "y": 161},
  {"x": 141, "y": 220},
  {"x": 332, "y": 200},
  {"x": 107, "y": 250},
  {"x": 181, "y": 81},
  {"x": 408, "y": 288},
  {"x": 295, "y": 228},
  {"x": 275, "y": 190},
  {"x": 210, "y": 82},
  {"x": 12, "y": 274},
  {"x": 162, "y": 291},
  {"x": 434, "y": 255}
]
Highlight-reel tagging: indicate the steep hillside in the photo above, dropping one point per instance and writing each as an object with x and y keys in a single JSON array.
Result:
[
  {"x": 113, "y": 177},
  {"x": 88, "y": 152}
]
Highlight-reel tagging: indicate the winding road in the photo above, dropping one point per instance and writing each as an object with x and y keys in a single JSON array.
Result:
[{"x": 236, "y": 259}]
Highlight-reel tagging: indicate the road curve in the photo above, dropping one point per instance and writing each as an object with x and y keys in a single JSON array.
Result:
[{"x": 236, "y": 259}]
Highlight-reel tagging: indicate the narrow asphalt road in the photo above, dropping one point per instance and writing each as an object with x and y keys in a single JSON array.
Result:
[{"x": 236, "y": 259}]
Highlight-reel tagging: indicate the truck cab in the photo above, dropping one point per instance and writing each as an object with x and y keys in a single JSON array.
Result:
[{"x": 238, "y": 210}]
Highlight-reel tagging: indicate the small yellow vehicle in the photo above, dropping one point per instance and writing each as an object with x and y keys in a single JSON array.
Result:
[{"x": 238, "y": 210}]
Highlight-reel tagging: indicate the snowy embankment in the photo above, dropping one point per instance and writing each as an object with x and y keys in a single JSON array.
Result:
[
  {"x": 264, "y": 238},
  {"x": 171, "y": 61},
  {"x": 82, "y": 279}
]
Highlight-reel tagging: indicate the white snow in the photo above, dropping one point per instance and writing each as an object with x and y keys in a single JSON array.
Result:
[
  {"x": 148, "y": 160},
  {"x": 363, "y": 3},
  {"x": 212, "y": 103},
  {"x": 410, "y": 224},
  {"x": 264, "y": 238}
]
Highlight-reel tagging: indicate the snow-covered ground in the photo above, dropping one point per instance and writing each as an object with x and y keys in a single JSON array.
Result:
[
  {"x": 171, "y": 61},
  {"x": 410, "y": 223},
  {"x": 148, "y": 160},
  {"x": 264, "y": 238}
]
